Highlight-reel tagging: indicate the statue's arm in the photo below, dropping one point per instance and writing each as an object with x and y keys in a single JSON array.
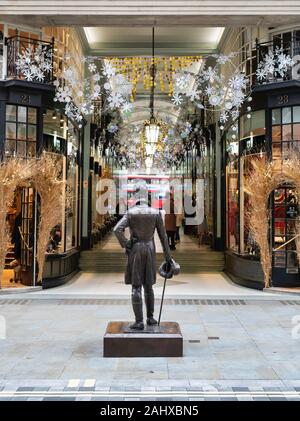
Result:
[
  {"x": 119, "y": 230},
  {"x": 163, "y": 237}
]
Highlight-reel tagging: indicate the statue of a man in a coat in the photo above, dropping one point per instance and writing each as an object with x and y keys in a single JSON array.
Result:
[{"x": 142, "y": 221}]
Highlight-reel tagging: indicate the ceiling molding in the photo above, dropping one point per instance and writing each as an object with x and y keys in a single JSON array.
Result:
[{"x": 136, "y": 50}]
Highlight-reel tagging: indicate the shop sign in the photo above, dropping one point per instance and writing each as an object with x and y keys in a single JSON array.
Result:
[
  {"x": 292, "y": 211},
  {"x": 23, "y": 98},
  {"x": 282, "y": 100}
]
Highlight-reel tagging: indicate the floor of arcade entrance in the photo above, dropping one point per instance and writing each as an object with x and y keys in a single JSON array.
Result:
[
  {"x": 239, "y": 347},
  {"x": 104, "y": 266},
  {"x": 240, "y": 351}
]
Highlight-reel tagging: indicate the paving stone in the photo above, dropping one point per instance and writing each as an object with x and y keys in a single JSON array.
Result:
[{"x": 244, "y": 358}]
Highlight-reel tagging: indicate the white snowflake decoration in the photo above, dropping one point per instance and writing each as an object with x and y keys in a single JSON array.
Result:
[
  {"x": 35, "y": 63},
  {"x": 211, "y": 89},
  {"x": 177, "y": 98},
  {"x": 274, "y": 64},
  {"x": 115, "y": 100},
  {"x": 116, "y": 90}
]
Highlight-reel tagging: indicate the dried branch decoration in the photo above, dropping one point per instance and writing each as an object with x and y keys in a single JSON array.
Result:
[
  {"x": 44, "y": 174},
  {"x": 262, "y": 180},
  {"x": 14, "y": 172},
  {"x": 291, "y": 169},
  {"x": 49, "y": 184}
]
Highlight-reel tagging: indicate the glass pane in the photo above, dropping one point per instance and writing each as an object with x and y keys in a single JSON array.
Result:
[
  {"x": 276, "y": 133},
  {"x": 276, "y": 150},
  {"x": 279, "y": 227},
  {"x": 286, "y": 115},
  {"x": 287, "y": 132},
  {"x": 22, "y": 114},
  {"x": 32, "y": 115},
  {"x": 10, "y": 132},
  {"x": 291, "y": 261},
  {"x": 22, "y": 131},
  {"x": 31, "y": 132},
  {"x": 31, "y": 146},
  {"x": 11, "y": 112},
  {"x": 21, "y": 148},
  {"x": 296, "y": 131},
  {"x": 279, "y": 259},
  {"x": 296, "y": 114},
  {"x": 10, "y": 147},
  {"x": 276, "y": 116},
  {"x": 279, "y": 237},
  {"x": 288, "y": 148},
  {"x": 258, "y": 123},
  {"x": 291, "y": 227}
]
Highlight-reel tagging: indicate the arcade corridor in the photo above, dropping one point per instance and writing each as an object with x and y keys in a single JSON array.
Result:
[{"x": 102, "y": 273}]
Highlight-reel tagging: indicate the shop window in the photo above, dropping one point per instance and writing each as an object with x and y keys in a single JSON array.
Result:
[
  {"x": 1, "y": 50},
  {"x": 284, "y": 227},
  {"x": 20, "y": 131},
  {"x": 72, "y": 185},
  {"x": 55, "y": 124},
  {"x": 247, "y": 243},
  {"x": 233, "y": 208},
  {"x": 254, "y": 126},
  {"x": 285, "y": 131}
]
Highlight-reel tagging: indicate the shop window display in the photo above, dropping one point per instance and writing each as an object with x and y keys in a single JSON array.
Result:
[
  {"x": 242, "y": 148},
  {"x": 20, "y": 131},
  {"x": 72, "y": 183},
  {"x": 1, "y": 50},
  {"x": 254, "y": 126},
  {"x": 284, "y": 227},
  {"x": 61, "y": 137},
  {"x": 232, "y": 193},
  {"x": 247, "y": 245},
  {"x": 285, "y": 131}
]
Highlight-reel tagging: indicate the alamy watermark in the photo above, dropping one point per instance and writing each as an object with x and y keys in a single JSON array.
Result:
[
  {"x": 171, "y": 196},
  {"x": 296, "y": 328},
  {"x": 2, "y": 327}
]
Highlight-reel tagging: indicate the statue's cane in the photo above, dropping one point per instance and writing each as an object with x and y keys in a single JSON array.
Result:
[{"x": 162, "y": 300}]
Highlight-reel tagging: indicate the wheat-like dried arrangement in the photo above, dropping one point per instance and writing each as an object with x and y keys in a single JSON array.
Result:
[
  {"x": 261, "y": 181},
  {"x": 48, "y": 182},
  {"x": 291, "y": 169},
  {"x": 14, "y": 172}
]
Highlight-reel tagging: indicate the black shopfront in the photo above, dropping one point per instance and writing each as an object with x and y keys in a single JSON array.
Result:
[
  {"x": 270, "y": 131},
  {"x": 29, "y": 124}
]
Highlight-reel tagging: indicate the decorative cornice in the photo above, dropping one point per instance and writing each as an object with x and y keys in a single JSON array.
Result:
[{"x": 149, "y": 12}]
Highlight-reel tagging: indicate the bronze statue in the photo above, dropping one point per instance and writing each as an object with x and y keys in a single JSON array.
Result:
[{"x": 142, "y": 221}]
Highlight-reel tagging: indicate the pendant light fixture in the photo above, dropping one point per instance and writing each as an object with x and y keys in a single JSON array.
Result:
[{"x": 152, "y": 127}]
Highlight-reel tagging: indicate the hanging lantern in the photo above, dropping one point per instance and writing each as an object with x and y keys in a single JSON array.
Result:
[{"x": 152, "y": 130}]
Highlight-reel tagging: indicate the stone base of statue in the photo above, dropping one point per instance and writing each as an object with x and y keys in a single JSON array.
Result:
[{"x": 154, "y": 341}]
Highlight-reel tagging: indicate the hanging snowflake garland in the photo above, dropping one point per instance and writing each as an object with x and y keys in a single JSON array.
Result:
[
  {"x": 274, "y": 64},
  {"x": 35, "y": 63},
  {"x": 115, "y": 91},
  {"x": 210, "y": 89}
]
